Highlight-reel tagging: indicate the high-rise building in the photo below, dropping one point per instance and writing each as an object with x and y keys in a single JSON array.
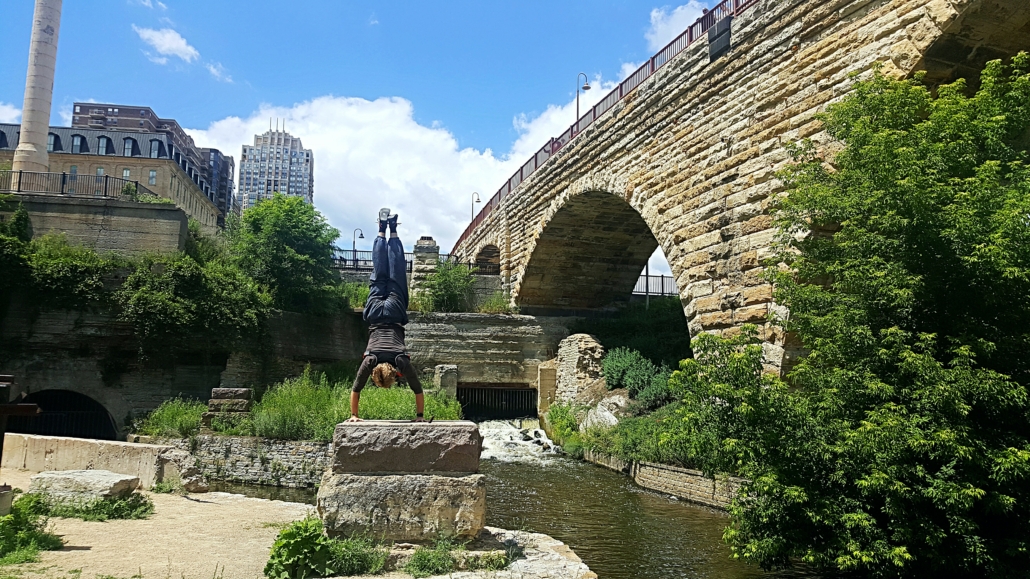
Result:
[
  {"x": 208, "y": 168},
  {"x": 276, "y": 162}
]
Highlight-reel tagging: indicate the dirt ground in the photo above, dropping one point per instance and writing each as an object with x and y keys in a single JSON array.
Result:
[{"x": 200, "y": 536}]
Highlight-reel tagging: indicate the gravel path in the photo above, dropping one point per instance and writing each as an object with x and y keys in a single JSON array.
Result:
[{"x": 186, "y": 537}]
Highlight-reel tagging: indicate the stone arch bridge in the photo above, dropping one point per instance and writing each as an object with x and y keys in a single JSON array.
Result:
[{"x": 683, "y": 155}]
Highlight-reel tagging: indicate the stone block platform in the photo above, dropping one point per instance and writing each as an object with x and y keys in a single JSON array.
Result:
[
  {"x": 380, "y": 446},
  {"x": 404, "y": 481}
]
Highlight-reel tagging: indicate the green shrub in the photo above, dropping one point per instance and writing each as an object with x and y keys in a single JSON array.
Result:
[
  {"x": 176, "y": 418},
  {"x": 23, "y": 533},
  {"x": 356, "y": 293},
  {"x": 67, "y": 276},
  {"x": 658, "y": 392},
  {"x": 435, "y": 560},
  {"x": 398, "y": 403},
  {"x": 653, "y": 438},
  {"x": 498, "y": 303},
  {"x": 625, "y": 368},
  {"x": 233, "y": 423},
  {"x": 134, "y": 506},
  {"x": 565, "y": 428},
  {"x": 492, "y": 561},
  {"x": 448, "y": 289},
  {"x": 203, "y": 248},
  {"x": 302, "y": 550},
  {"x": 173, "y": 487},
  {"x": 18, "y": 224}
]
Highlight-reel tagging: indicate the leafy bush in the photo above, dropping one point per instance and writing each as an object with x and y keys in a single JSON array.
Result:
[
  {"x": 302, "y": 550},
  {"x": 66, "y": 276},
  {"x": 173, "y": 418},
  {"x": 659, "y": 332},
  {"x": 658, "y": 392},
  {"x": 448, "y": 289},
  {"x": 182, "y": 304},
  {"x": 498, "y": 303},
  {"x": 652, "y": 438},
  {"x": 203, "y": 248},
  {"x": 625, "y": 368},
  {"x": 435, "y": 560},
  {"x": 23, "y": 533},
  {"x": 286, "y": 245},
  {"x": 134, "y": 506},
  {"x": 356, "y": 293},
  {"x": 18, "y": 224},
  {"x": 565, "y": 428}
]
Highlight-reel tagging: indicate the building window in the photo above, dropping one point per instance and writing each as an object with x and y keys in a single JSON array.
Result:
[
  {"x": 130, "y": 147},
  {"x": 126, "y": 173},
  {"x": 155, "y": 149},
  {"x": 77, "y": 109},
  {"x": 100, "y": 171},
  {"x": 50, "y": 142},
  {"x": 102, "y": 146},
  {"x": 77, "y": 144},
  {"x": 152, "y": 179}
]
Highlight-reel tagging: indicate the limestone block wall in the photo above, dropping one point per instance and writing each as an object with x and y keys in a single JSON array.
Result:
[
  {"x": 688, "y": 159},
  {"x": 577, "y": 366},
  {"x": 687, "y": 484},
  {"x": 486, "y": 348},
  {"x": 43, "y": 453},
  {"x": 263, "y": 461},
  {"x": 108, "y": 225}
]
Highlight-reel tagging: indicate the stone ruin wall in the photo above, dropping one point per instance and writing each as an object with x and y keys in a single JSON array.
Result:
[{"x": 695, "y": 148}]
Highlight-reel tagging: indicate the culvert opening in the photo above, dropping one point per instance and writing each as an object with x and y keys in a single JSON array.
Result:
[
  {"x": 497, "y": 401},
  {"x": 65, "y": 413}
]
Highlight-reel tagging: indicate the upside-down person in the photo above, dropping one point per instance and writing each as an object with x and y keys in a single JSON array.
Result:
[{"x": 386, "y": 312}]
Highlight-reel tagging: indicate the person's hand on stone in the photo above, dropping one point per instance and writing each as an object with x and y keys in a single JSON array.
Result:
[
  {"x": 419, "y": 419},
  {"x": 354, "y": 419}
]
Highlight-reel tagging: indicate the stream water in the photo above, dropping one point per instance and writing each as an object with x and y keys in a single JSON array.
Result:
[{"x": 620, "y": 530}]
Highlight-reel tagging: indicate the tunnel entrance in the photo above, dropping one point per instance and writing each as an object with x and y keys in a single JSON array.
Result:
[
  {"x": 65, "y": 413},
  {"x": 497, "y": 401}
]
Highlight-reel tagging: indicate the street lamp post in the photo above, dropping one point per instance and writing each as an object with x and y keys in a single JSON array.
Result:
[
  {"x": 354, "y": 245},
  {"x": 585, "y": 87},
  {"x": 475, "y": 199}
]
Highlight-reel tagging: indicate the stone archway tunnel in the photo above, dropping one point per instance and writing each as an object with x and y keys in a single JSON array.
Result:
[{"x": 685, "y": 151}]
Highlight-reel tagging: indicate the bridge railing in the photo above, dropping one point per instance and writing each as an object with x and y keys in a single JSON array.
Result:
[
  {"x": 725, "y": 9},
  {"x": 656, "y": 285}
]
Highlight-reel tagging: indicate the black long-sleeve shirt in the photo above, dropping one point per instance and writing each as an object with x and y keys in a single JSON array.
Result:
[{"x": 386, "y": 345}]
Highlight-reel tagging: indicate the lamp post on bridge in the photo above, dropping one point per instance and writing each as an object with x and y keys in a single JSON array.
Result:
[
  {"x": 354, "y": 245},
  {"x": 475, "y": 199},
  {"x": 585, "y": 87}
]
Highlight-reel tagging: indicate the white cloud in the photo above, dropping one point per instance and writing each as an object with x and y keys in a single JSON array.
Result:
[
  {"x": 372, "y": 20},
  {"x": 373, "y": 153},
  {"x": 9, "y": 113},
  {"x": 218, "y": 71},
  {"x": 151, "y": 4},
  {"x": 65, "y": 112},
  {"x": 166, "y": 42},
  {"x": 665, "y": 25},
  {"x": 534, "y": 132}
]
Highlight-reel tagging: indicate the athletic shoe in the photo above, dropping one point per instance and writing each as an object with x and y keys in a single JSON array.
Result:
[
  {"x": 384, "y": 214},
  {"x": 392, "y": 222}
]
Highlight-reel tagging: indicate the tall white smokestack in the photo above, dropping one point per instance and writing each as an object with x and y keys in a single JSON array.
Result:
[{"x": 31, "y": 154}]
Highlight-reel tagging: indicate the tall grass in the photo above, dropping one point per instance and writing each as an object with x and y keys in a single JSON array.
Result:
[
  {"x": 310, "y": 406},
  {"x": 356, "y": 293},
  {"x": 173, "y": 418}
]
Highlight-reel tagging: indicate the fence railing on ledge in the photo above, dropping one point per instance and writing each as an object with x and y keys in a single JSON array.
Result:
[
  {"x": 72, "y": 184},
  {"x": 725, "y": 9},
  {"x": 656, "y": 285},
  {"x": 346, "y": 259}
]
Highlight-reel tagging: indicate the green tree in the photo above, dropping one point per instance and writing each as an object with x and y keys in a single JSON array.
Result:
[
  {"x": 287, "y": 245},
  {"x": 902, "y": 446},
  {"x": 451, "y": 288}
]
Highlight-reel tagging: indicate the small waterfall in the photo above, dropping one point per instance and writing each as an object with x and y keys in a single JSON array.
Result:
[{"x": 513, "y": 441}]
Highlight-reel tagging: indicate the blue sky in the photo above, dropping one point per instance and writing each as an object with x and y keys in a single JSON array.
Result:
[{"x": 411, "y": 104}]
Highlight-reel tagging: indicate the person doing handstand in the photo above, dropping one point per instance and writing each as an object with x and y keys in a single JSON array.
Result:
[{"x": 386, "y": 312}]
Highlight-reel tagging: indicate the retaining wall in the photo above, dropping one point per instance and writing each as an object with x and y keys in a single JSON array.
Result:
[
  {"x": 43, "y": 453},
  {"x": 252, "y": 460},
  {"x": 687, "y": 484}
]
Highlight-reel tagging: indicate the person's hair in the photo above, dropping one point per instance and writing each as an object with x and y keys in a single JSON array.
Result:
[{"x": 384, "y": 375}]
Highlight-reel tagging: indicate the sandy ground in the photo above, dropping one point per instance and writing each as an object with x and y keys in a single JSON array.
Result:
[{"x": 201, "y": 536}]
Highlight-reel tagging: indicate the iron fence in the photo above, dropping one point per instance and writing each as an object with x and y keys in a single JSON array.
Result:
[
  {"x": 725, "y": 9},
  {"x": 656, "y": 285},
  {"x": 71, "y": 184},
  {"x": 346, "y": 259}
]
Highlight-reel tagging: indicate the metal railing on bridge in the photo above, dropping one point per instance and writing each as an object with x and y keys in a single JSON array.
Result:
[
  {"x": 72, "y": 184},
  {"x": 346, "y": 259},
  {"x": 725, "y": 9},
  {"x": 656, "y": 285}
]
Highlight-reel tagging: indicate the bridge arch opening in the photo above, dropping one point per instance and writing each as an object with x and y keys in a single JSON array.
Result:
[
  {"x": 488, "y": 260},
  {"x": 66, "y": 413},
  {"x": 589, "y": 256},
  {"x": 986, "y": 31}
]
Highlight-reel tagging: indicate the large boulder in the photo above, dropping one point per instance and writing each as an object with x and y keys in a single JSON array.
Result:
[
  {"x": 179, "y": 465},
  {"x": 608, "y": 411},
  {"x": 402, "y": 507},
  {"x": 83, "y": 485},
  {"x": 579, "y": 365},
  {"x": 406, "y": 447}
]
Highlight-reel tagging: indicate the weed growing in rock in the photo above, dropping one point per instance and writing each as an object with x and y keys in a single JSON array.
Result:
[
  {"x": 134, "y": 506},
  {"x": 498, "y": 303},
  {"x": 356, "y": 293},
  {"x": 174, "y": 418},
  {"x": 565, "y": 428},
  {"x": 490, "y": 561},
  {"x": 435, "y": 560},
  {"x": 172, "y": 487},
  {"x": 303, "y": 550},
  {"x": 23, "y": 533}
]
